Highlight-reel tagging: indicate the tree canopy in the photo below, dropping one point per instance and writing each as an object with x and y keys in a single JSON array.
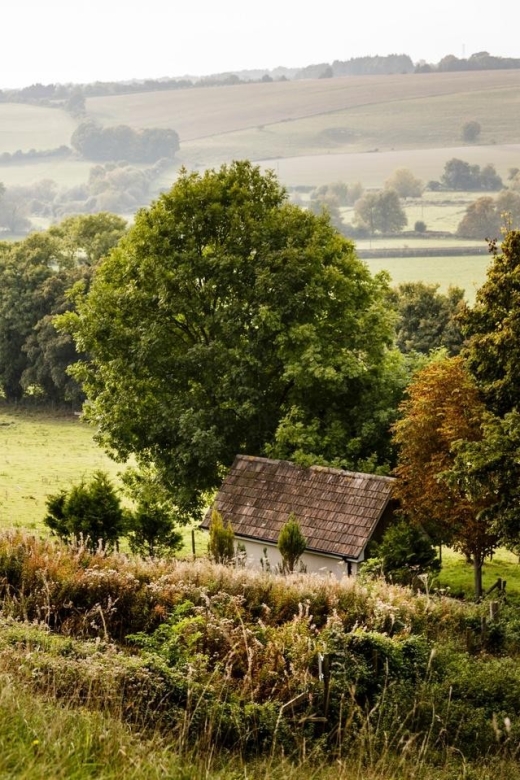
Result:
[
  {"x": 381, "y": 212},
  {"x": 35, "y": 277},
  {"x": 443, "y": 408},
  {"x": 492, "y": 327},
  {"x": 428, "y": 319},
  {"x": 229, "y": 320}
]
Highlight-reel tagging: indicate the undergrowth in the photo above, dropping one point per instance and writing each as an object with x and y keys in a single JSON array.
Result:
[{"x": 229, "y": 662}]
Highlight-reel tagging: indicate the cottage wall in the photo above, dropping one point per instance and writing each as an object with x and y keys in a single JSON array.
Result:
[{"x": 314, "y": 563}]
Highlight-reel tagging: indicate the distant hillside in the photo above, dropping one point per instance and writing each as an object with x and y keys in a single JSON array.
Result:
[{"x": 325, "y": 116}]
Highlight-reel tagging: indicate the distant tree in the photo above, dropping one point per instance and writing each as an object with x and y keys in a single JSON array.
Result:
[
  {"x": 123, "y": 143},
  {"x": 481, "y": 220},
  {"x": 470, "y": 131},
  {"x": 405, "y": 183},
  {"x": 381, "y": 212},
  {"x": 14, "y": 210},
  {"x": 428, "y": 319},
  {"x": 507, "y": 205},
  {"x": 489, "y": 179},
  {"x": 91, "y": 510},
  {"x": 291, "y": 543},
  {"x": 420, "y": 226},
  {"x": 221, "y": 539},
  {"x": 460, "y": 175},
  {"x": 75, "y": 104}
]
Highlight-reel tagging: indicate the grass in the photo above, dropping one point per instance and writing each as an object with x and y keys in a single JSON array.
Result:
[
  {"x": 373, "y": 168},
  {"x": 40, "y": 453},
  {"x": 41, "y": 738},
  {"x": 417, "y": 686},
  {"x": 66, "y": 173},
  {"x": 468, "y": 272},
  {"x": 207, "y": 112},
  {"x": 457, "y": 574},
  {"x": 28, "y": 127}
]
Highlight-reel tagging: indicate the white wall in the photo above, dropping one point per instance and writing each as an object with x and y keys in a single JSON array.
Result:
[{"x": 313, "y": 562}]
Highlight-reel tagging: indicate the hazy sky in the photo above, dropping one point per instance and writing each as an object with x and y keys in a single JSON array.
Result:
[{"x": 51, "y": 41}]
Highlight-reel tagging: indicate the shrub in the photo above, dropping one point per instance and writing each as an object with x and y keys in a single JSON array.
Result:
[
  {"x": 291, "y": 543},
  {"x": 406, "y": 552},
  {"x": 91, "y": 510},
  {"x": 221, "y": 539}
]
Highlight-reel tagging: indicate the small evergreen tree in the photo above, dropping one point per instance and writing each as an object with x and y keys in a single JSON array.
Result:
[
  {"x": 291, "y": 543},
  {"x": 151, "y": 527},
  {"x": 89, "y": 509},
  {"x": 221, "y": 539}
]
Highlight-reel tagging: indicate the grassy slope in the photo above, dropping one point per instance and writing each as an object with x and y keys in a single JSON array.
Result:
[
  {"x": 39, "y": 455},
  {"x": 198, "y": 113},
  {"x": 330, "y": 128},
  {"x": 32, "y": 127}
]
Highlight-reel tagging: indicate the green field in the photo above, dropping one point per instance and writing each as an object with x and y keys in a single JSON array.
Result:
[
  {"x": 213, "y": 111},
  {"x": 41, "y": 453},
  {"x": 468, "y": 272},
  {"x": 373, "y": 168}
]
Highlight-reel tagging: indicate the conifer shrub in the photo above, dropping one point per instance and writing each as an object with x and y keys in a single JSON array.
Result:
[
  {"x": 291, "y": 543},
  {"x": 221, "y": 539}
]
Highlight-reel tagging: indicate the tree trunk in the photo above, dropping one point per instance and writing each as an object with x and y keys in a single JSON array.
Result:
[{"x": 477, "y": 576}]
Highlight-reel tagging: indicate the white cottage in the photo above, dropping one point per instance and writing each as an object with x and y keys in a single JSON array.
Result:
[{"x": 339, "y": 512}]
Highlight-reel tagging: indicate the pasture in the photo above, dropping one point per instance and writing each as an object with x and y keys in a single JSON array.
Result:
[
  {"x": 212, "y": 111},
  {"x": 373, "y": 168},
  {"x": 468, "y": 272},
  {"x": 41, "y": 453},
  {"x": 28, "y": 127}
]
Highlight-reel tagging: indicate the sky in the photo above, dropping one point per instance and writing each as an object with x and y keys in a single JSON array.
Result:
[{"x": 66, "y": 41}]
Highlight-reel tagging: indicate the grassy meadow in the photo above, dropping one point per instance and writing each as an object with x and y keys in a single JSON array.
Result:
[
  {"x": 468, "y": 271},
  {"x": 214, "y": 111},
  {"x": 194, "y": 670},
  {"x": 28, "y": 127},
  {"x": 41, "y": 453}
]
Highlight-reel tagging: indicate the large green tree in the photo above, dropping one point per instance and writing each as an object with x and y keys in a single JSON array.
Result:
[
  {"x": 35, "y": 276},
  {"x": 428, "y": 319},
  {"x": 492, "y": 327},
  {"x": 229, "y": 320}
]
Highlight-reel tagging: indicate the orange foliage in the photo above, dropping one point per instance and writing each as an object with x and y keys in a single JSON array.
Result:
[{"x": 443, "y": 407}]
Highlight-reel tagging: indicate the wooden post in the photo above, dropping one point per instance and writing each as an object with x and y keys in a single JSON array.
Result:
[
  {"x": 493, "y": 610},
  {"x": 193, "y": 541}
]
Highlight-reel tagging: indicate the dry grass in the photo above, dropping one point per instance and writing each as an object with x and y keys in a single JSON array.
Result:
[
  {"x": 32, "y": 127},
  {"x": 198, "y": 113},
  {"x": 373, "y": 168}
]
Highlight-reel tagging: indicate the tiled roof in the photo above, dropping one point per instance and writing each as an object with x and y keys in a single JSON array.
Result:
[{"x": 337, "y": 510}]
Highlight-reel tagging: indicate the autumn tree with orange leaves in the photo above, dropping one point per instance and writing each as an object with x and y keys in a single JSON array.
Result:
[{"x": 443, "y": 408}]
